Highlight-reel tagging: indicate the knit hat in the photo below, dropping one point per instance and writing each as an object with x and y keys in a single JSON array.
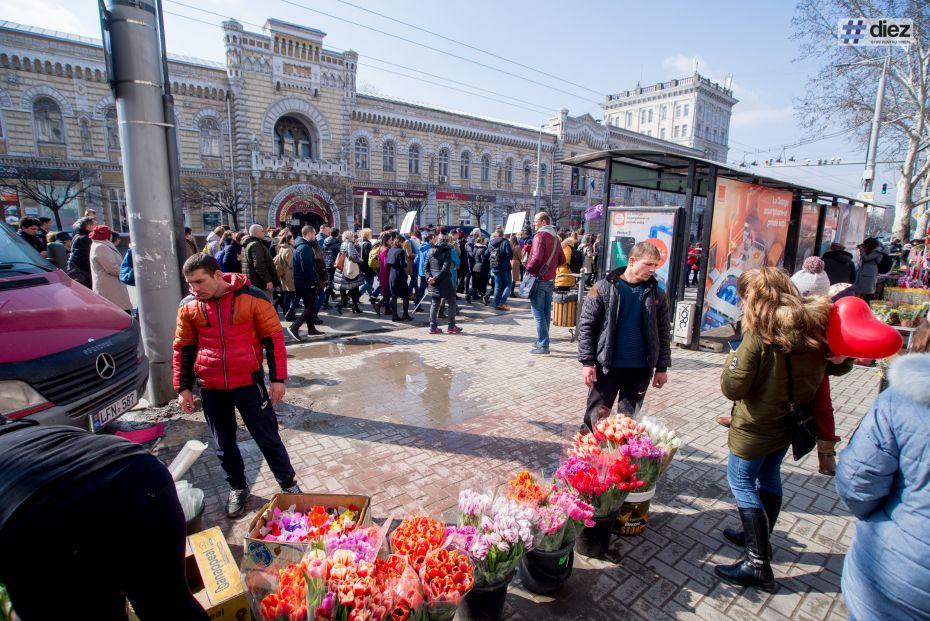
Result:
[
  {"x": 814, "y": 265},
  {"x": 101, "y": 232}
]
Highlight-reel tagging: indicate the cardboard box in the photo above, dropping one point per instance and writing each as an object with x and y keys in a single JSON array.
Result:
[
  {"x": 213, "y": 577},
  {"x": 261, "y": 553}
]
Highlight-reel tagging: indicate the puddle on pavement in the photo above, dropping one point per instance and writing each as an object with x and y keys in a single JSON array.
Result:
[
  {"x": 336, "y": 348},
  {"x": 399, "y": 386}
]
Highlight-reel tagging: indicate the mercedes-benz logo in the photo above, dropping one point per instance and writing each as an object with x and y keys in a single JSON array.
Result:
[{"x": 106, "y": 366}]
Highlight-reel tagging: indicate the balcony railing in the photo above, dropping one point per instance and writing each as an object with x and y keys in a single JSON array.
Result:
[{"x": 286, "y": 163}]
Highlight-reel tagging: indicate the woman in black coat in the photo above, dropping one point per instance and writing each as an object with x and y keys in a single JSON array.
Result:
[
  {"x": 480, "y": 270},
  {"x": 400, "y": 290}
]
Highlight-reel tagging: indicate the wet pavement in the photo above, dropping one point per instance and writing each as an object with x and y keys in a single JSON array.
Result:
[{"x": 409, "y": 418}]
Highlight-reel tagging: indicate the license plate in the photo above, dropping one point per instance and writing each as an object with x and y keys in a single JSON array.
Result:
[{"x": 112, "y": 411}]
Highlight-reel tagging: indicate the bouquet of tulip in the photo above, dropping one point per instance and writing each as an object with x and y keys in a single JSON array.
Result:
[
  {"x": 363, "y": 542},
  {"x": 603, "y": 479},
  {"x": 647, "y": 458},
  {"x": 494, "y": 533},
  {"x": 560, "y": 511},
  {"x": 447, "y": 576},
  {"x": 291, "y": 526},
  {"x": 357, "y": 597},
  {"x": 395, "y": 576},
  {"x": 664, "y": 438},
  {"x": 302, "y": 592},
  {"x": 416, "y": 536}
]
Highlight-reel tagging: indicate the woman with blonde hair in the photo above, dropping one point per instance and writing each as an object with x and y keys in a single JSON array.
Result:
[{"x": 783, "y": 352}]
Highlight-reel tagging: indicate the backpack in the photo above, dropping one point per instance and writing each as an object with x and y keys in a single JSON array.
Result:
[
  {"x": 373, "y": 256},
  {"x": 885, "y": 264},
  {"x": 577, "y": 261},
  {"x": 126, "y": 274}
]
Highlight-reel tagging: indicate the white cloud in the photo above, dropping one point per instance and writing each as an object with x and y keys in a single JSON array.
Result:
[
  {"x": 43, "y": 14},
  {"x": 754, "y": 109}
]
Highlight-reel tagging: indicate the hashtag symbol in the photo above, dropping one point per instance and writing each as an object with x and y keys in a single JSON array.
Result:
[{"x": 853, "y": 31}]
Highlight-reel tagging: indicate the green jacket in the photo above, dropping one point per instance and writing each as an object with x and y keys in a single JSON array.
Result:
[{"x": 755, "y": 376}]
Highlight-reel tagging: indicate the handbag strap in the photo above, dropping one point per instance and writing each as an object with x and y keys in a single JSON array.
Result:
[{"x": 555, "y": 246}]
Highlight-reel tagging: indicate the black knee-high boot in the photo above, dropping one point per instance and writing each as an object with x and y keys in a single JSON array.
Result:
[{"x": 754, "y": 569}]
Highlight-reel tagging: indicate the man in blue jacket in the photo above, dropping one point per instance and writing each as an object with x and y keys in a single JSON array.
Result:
[
  {"x": 501, "y": 255},
  {"x": 422, "y": 254},
  {"x": 306, "y": 282}
]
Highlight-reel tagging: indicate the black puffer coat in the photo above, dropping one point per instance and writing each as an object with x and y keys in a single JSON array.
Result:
[
  {"x": 330, "y": 251},
  {"x": 599, "y": 317},
  {"x": 439, "y": 268}
]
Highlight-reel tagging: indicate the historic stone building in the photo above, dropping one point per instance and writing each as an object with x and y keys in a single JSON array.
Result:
[{"x": 282, "y": 120}]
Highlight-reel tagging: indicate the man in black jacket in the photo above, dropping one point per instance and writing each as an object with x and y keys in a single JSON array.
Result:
[
  {"x": 624, "y": 336},
  {"x": 306, "y": 282},
  {"x": 331, "y": 247},
  {"x": 79, "y": 259},
  {"x": 839, "y": 265}
]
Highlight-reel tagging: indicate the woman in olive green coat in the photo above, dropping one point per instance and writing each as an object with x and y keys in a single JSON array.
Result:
[{"x": 777, "y": 325}]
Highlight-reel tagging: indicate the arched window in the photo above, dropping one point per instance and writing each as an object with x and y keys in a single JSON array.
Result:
[
  {"x": 48, "y": 123},
  {"x": 444, "y": 163},
  {"x": 527, "y": 173},
  {"x": 210, "y": 141},
  {"x": 508, "y": 171},
  {"x": 111, "y": 128},
  {"x": 387, "y": 156},
  {"x": 413, "y": 159},
  {"x": 292, "y": 138},
  {"x": 485, "y": 167},
  {"x": 465, "y": 166},
  {"x": 543, "y": 171},
  {"x": 361, "y": 154}
]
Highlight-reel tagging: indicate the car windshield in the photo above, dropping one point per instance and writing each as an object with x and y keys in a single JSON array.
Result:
[{"x": 18, "y": 257}]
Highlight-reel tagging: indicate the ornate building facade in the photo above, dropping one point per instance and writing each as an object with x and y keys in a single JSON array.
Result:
[{"x": 283, "y": 123}]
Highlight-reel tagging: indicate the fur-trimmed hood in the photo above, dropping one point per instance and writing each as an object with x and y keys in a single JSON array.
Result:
[
  {"x": 910, "y": 375},
  {"x": 818, "y": 308}
]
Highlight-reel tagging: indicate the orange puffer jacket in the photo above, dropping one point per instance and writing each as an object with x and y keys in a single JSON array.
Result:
[{"x": 220, "y": 341}]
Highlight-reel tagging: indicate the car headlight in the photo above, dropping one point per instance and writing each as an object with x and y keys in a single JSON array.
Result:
[{"x": 18, "y": 399}]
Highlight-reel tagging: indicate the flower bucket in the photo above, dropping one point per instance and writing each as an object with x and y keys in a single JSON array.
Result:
[
  {"x": 634, "y": 513},
  {"x": 545, "y": 572},
  {"x": 486, "y": 602},
  {"x": 594, "y": 541}
]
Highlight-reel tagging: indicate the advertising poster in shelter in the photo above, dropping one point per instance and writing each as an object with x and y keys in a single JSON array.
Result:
[
  {"x": 850, "y": 230},
  {"x": 829, "y": 227},
  {"x": 631, "y": 225},
  {"x": 749, "y": 229},
  {"x": 807, "y": 234}
]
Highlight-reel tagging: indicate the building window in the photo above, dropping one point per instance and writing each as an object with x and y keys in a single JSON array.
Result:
[
  {"x": 684, "y": 130},
  {"x": 117, "y": 212},
  {"x": 642, "y": 116},
  {"x": 687, "y": 108},
  {"x": 662, "y": 133},
  {"x": 361, "y": 154},
  {"x": 465, "y": 166},
  {"x": 677, "y": 110},
  {"x": 444, "y": 163},
  {"x": 543, "y": 171},
  {"x": 413, "y": 159},
  {"x": 111, "y": 127},
  {"x": 663, "y": 112},
  {"x": 650, "y": 115},
  {"x": 87, "y": 146},
  {"x": 210, "y": 142},
  {"x": 292, "y": 138},
  {"x": 675, "y": 132},
  {"x": 629, "y": 119},
  {"x": 485, "y": 167},
  {"x": 527, "y": 174},
  {"x": 387, "y": 156},
  {"x": 508, "y": 171},
  {"x": 48, "y": 123}
]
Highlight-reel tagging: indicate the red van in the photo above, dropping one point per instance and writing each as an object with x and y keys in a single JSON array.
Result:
[{"x": 67, "y": 355}]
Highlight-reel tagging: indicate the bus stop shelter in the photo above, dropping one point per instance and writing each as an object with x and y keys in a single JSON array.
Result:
[{"x": 750, "y": 220}]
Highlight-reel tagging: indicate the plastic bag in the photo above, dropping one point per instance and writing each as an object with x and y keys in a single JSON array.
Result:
[
  {"x": 416, "y": 536},
  {"x": 397, "y": 577},
  {"x": 191, "y": 499},
  {"x": 447, "y": 575}
]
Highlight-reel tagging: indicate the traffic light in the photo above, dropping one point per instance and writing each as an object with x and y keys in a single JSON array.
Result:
[{"x": 884, "y": 188}]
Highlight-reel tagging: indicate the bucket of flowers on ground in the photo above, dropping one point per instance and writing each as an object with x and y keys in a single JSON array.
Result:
[{"x": 652, "y": 449}]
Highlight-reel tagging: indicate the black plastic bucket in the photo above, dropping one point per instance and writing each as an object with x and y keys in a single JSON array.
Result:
[
  {"x": 545, "y": 572},
  {"x": 486, "y": 603},
  {"x": 594, "y": 541}
]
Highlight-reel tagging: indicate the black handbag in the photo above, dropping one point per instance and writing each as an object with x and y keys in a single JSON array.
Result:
[{"x": 800, "y": 420}]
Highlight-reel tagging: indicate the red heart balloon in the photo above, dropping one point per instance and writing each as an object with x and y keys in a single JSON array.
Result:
[{"x": 856, "y": 332}]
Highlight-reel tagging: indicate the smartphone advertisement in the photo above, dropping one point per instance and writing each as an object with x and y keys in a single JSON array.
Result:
[
  {"x": 850, "y": 230},
  {"x": 749, "y": 229},
  {"x": 807, "y": 235},
  {"x": 631, "y": 225}
]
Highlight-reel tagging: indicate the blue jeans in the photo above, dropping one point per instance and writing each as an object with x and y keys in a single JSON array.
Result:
[
  {"x": 368, "y": 286},
  {"x": 541, "y": 303},
  {"x": 421, "y": 290},
  {"x": 748, "y": 476},
  {"x": 503, "y": 281}
]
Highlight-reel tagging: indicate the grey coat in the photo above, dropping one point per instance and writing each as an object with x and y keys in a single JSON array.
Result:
[
  {"x": 439, "y": 268},
  {"x": 599, "y": 317},
  {"x": 868, "y": 271},
  {"x": 339, "y": 278}
]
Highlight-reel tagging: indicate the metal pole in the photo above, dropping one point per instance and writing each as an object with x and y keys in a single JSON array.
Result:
[
  {"x": 686, "y": 233},
  {"x": 538, "y": 168},
  {"x": 229, "y": 134},
  {"x": 705, "y": 256},
  {"x": 140, "y": 103},
  {"x": 868, "y": 175}
]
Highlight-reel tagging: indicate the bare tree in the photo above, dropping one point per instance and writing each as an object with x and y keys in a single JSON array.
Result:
[
  {"x": 842, "y": 93},
  {"x": 922, "y": 209},
  {"x": 52, "y": 189},
  {"x": 232, "y": 204},
  {"x": 475, "y": 209},
  {"x": 557, "y": 211}
]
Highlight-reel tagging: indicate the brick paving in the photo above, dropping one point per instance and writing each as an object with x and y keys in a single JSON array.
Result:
[{"x": 409, "y": 418}]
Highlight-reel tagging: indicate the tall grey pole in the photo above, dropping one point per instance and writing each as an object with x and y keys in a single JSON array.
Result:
[
  {"x": 868, "y": 175},
  {"x": 538, "y": 168},
  {"x": 138, "y": 86}
]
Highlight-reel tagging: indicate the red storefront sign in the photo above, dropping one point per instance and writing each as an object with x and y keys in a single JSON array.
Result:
[
  {"x": 390, "y": 192},
  {"x": 461, "y": 196}
]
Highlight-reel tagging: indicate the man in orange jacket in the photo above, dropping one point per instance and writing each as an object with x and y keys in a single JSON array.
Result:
[{"x": 223, "y": 328}]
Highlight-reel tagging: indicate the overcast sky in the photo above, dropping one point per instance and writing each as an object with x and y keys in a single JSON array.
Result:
[{"x": 588, "y": 48}]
